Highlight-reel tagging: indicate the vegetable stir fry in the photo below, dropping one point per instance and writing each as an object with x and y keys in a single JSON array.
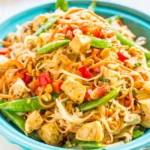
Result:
[{"x": 74, "y": 79}]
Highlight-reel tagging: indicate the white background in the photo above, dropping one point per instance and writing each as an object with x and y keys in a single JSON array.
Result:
[{"x": 11, "y": 7}]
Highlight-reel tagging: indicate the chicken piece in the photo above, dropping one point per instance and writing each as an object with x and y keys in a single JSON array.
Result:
[
  {"x": 75, "y": 90},
  {"x": 110, "y": 74},
  {"x": 91, "y": 132},
  {"x": 145, "y": 115},
  {"x": 146, "y": 86},
  {"x": 80, "y": 43},
  {"x": 31, "y": 42},
  {"x": 142, "y": 94},
  {"x": 50, "y": 134},
  {"x": 19, "y": 89},
  {"x": 132, "y": 119},
  {"x": 33, "y": 122},
  {"x": 3, "y": 59}
]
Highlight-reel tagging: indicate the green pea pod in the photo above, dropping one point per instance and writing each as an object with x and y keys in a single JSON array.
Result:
[
  {"x": 137, "y": 133},
  {"x": 113, "y": 18},
  {"x": 47, "y": 25},
  {"x": 100, "y": 43},
  {"x": 96, "y": 103},
  {"x": 126, "y": 41},
  {"x": 62, "y": 4},
  {"x": 19, "y": 121},
  {"x": 84, "y": 145},
  {"x": 52, "y": 46},
  {"x": 92, "y": 6},
  {"x": 25, "y": 105}
]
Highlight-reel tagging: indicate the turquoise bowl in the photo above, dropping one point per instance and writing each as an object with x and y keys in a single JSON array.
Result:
[{"x": 138, "y": 22}]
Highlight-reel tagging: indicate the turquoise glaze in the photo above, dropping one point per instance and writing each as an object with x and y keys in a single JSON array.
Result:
[{"x": 138, "y": 22}]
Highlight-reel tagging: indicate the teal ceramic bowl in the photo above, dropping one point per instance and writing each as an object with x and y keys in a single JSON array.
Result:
[{"x": 138, "y": 22}]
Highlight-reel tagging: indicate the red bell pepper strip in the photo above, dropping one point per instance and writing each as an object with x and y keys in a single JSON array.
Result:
[
  {"x": 44, "y": 78},
  {"x": 84, "y": 28},
  {"x": 87, "y": 95},
  {"x": 85, "y": 72},
  {"x": 95, "y": 70},
  {"x": 122, "y": 57},
  {"x": 3, "y": 51},
  {"x": 120, "y": 22},
  {"x": 96, "y": 32},
  {"x": 68, "y": 32},
  {"x": 57, "y": 86},
  {"x": 25, "y": 77},
  {"x": 101, "y": 91}
]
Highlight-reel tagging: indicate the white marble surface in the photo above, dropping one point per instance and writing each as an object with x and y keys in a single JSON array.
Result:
[{"x": 11, "y": 7}]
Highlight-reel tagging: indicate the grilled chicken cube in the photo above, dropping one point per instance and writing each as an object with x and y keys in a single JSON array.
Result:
[
  {"x": 33, "y": 122},
  {"x": 50, "y": 134},
  {"x": 145, "y": 114},
  {"x": 80, "y": 43},
  {"x": 91, "y": 132},
  {"x": 132, "y": 119},
  {"x": 19, "y": 89},
  {"x": 75, "y": 90}
]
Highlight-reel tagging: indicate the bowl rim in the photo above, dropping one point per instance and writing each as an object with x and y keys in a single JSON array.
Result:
[{"x": 18, "y": 138}]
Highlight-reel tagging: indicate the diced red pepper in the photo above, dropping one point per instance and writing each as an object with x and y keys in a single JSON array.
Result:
[
  {"x": 4, "y": 51},
  {"x": 44, "y": 78},
  {"x": 67, "y": 18},
  {"x": 85, "y": 72},
  {"x": 68, "y": 31},
  {"x": 101, "y": 91},
  {"x": 122, "y": 57},
  {"x": 70, "y": 35},
  {"x": 96, "y": 32},
  {"x": 135, "y": 77},
  {"x": 57, "y": 86},
  {"x": 110, "y": 34},
  {"x": 95, "y": 70},
  {"x": 84, "y": 28},
  {"x": 25, "y": 77},
  {"x": 87, "y": 95},
  {"x": 120, "y": 22}
]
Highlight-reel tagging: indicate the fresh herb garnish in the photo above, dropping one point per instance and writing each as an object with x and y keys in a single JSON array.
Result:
[
  {"x": 137, "y": 133},
  {"x": 128, "y": 86},
  {"x": 103, "y": 79},
  {"x": 138, "y": 64}
]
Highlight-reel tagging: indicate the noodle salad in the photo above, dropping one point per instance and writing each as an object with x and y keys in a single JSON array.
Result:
[{"x": 74, "y": 79}]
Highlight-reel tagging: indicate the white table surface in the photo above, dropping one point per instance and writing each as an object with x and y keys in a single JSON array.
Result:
[{"x": 11, "y": 7}]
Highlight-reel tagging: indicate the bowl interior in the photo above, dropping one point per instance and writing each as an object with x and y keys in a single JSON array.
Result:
[{"x": 136, "y": 21}]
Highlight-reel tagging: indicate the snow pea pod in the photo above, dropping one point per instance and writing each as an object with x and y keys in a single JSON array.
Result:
[
  {"x": 96, "y": 103},
  {"x": 100, "y": 43},
  {"x": 25, "y": 105},
  {"x": 113, "y": 18},
  {"x": 137, "y": 133},
  {"x": 52, "y": 46},
  {"x": 62, "y": 4},
  {"x": 125, "y": 41},
  {"x": 84, "y": 145},
  {"x": 47, "y": 25},
  {"x": 92, "y": 6},
  {"x": 19, "y": 121}
]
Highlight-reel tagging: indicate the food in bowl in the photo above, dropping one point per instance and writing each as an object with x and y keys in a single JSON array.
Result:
[{"x": 75, "y": 79}]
